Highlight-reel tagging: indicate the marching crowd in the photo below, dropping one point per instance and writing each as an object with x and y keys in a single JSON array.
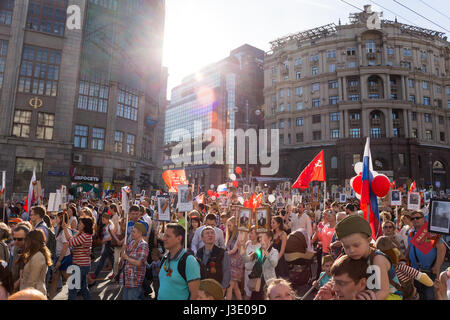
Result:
[{"x": 331, "y": 250}]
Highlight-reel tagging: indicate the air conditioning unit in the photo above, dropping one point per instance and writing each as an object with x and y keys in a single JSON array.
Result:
[{"x": 77, "y": 158}]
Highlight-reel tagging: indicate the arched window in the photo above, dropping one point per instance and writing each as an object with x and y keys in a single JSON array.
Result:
[
  {"x": 334, "y": 162},
  {"x": 438, "y": 165}
]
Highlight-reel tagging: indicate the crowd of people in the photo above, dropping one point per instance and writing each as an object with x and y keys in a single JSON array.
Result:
[{"x": 332, "y": 251}]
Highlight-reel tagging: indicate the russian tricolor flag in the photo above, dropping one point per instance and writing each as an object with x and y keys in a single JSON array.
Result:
[
  {"x": 31, "y": 198},
  {"x": 222, "y": 188},
  {"x": 369, "y": 202}
]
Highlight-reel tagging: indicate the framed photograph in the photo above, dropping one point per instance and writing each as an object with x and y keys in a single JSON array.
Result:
[
  {"x": 442, "y": 193},
  {"x": 246, "y": 188},
  {"x": 258, "y": 189},
  {"x": 315, "y": 192},
  {"x": 343, "y": 198},
  {"x": 185, "y": 198},
  {"x": 224, "y": 202},
  {"x": 396, "y": 198},
  {"x": 413, "y": 201},
  {"x": 280, "y": 202},
  {"x": 439, "y": 216},
  {"x": 244, "y": 219},
  {"x": 163, "y": 209},
  {"x": 427, "y": 197},
  {"x": 287, "y": 186},
  {"x": 262, "y": 219},
  {"x": 448, "y": 192},
  {"x": 234, "y": 210}
]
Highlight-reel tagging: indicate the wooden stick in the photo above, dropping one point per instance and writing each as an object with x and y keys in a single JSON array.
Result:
[{"x": 312, "y": 288}]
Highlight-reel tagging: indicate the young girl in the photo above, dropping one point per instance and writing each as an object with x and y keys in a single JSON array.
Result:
[
  {"x": 155, "y": 267},
  {"x": 63, "y": 257},
  {"x": 269, "y": 258},
  {"x": 37, "y": 260},
  {"x": 280, "y": 289},
  {"x": 279, "y": 243},
  {"x": 236, "y": 261},
  {"x": 250, "y": 248},
  {"x": 355, "y": 234}
]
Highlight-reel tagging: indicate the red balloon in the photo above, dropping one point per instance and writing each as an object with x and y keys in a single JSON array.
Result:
[
  {"x": 216, "y": 194},
  {"x": 210, "y": 193},
  {"x": 357, "y": 184},
  {"x": 235, "y": 184},
  {"x": 380, "y": 185},
  {"x": 238, "y": 170}
]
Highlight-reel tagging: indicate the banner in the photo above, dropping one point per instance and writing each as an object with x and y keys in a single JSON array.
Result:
[
  {"x": 422, "y": 240},
  {"x": 173, "y": 178}
]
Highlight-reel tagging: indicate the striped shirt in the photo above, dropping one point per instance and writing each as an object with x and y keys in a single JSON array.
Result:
[{"x": 81, "y": 249}]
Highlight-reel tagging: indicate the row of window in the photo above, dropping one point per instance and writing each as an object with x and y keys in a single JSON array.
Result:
[
  {"x": 356, "y": 133},
  {"x": 22, "y": 125},
  {"x": 81, "y": 136},
  {"x": 335, "y": 116}
]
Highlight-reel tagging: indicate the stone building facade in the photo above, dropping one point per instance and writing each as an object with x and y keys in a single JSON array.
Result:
[
  {"x": 331, "y": 87},
  {"x": 81, "y": 105}
]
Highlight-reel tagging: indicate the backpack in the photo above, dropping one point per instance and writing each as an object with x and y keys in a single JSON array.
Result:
[{"x": 182, "y": 264}]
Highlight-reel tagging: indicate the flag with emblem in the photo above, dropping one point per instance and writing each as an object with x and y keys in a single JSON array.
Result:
[
  {"x": 315, "y": 171},
  {"x": 412, "y": 188}
]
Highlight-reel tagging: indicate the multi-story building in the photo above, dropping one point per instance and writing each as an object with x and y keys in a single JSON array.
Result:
[
  {"x": 331, "y": 87},
  {"x": 81, "y": 104},
  {"x": 225, "y": 95}
]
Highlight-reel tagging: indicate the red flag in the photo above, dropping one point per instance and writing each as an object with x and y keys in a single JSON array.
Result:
[
  {"x": 412, "y": 188},
  {"x": 315, "y": 171}
]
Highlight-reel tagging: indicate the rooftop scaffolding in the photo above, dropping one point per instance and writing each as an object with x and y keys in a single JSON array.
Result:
[{"x": 311, "y": 34}]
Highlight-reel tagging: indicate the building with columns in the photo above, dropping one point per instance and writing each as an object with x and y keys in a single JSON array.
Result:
[
  {"x": 81, "y": 104},
  {"x": 331, "y": 87}
]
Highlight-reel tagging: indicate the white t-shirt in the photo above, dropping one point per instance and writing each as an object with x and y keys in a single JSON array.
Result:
[
  {"x": 60, "y": 240},
  {"x": 147, "y": 219},
  {"x": 248, "y": 251}
]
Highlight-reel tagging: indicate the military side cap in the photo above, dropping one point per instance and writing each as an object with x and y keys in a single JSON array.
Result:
[{"x": 352, "y": 224}]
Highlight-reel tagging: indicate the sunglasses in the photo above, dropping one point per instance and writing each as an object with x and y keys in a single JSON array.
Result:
[
  {"x": 416, "y": 218},
  {"x": 388, "y": 227},
  {"x": 18, "y": 239}
]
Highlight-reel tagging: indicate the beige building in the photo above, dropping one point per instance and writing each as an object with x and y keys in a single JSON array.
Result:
[{"x": 332, "y": 86}]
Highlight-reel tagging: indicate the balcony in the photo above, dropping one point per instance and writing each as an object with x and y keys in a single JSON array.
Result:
[
  {"x": 375, "y": 122},
  {"x": 353, "y": 89},
  {"x": 396, "y": 122},
  {"x": 371, "y": 55},
  {"x": 355, "y": 123}
]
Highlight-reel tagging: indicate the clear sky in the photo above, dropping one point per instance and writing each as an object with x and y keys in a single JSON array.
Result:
[{"x": 200, "y": 32}]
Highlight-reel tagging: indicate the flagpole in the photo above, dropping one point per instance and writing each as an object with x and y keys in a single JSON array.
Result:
[
  {"x": 4, "y": 194},
  {"x": 185, "y": 230},
  {"x": 324, "y": 193}
]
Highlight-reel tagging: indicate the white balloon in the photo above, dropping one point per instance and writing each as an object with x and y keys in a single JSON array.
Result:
[
  {"x": 232, "y": 176},
  {"x": 213, "y": 198},
  {"x": 271, "y": 198},
  {"x": 211, "y": 186},
  {"x": 241, "y": 200},
  {"x": 358, "y": 167}
]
